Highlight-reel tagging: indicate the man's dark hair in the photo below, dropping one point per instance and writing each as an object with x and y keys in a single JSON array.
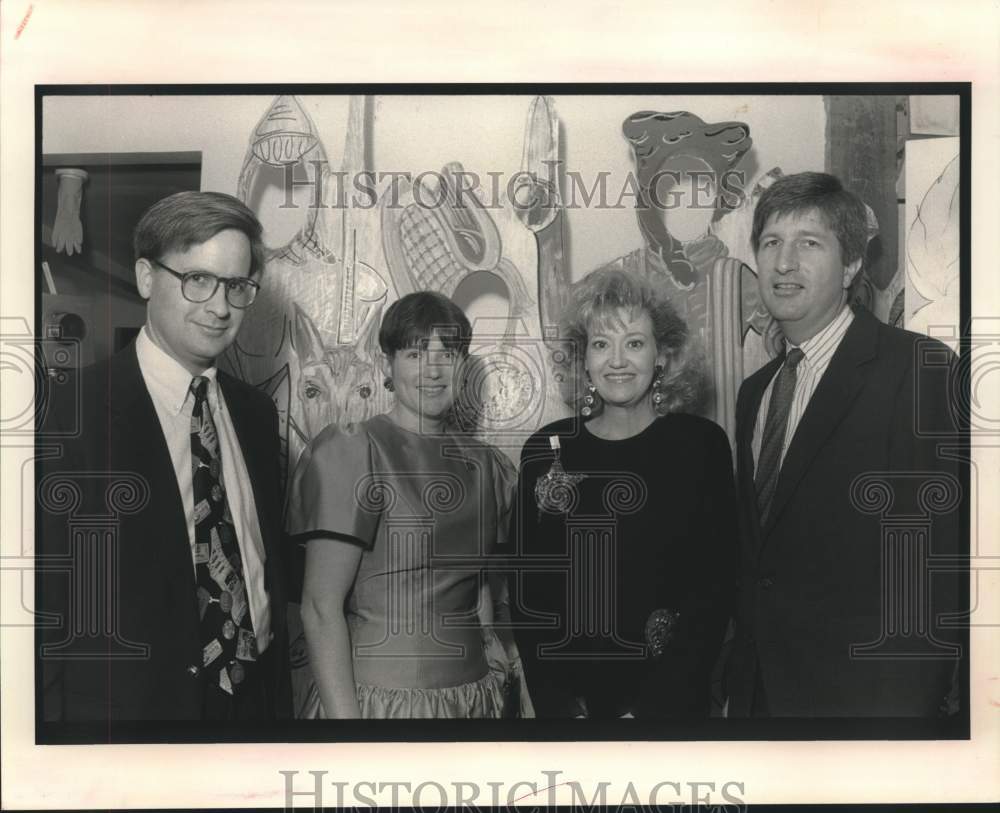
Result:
[
  {"x": 806, "y": 191},
  {"x": 413, "y": 319},
  {"x": 186, "y": 219}
]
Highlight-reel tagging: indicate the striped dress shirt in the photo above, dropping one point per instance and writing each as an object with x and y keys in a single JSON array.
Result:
[{"x": 817, "y": 351}]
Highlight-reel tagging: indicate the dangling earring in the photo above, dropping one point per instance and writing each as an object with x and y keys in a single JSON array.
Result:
[
  {"x": 657, "y": 384},
  {"x": 389, "y": 385},
  {"x": 589, "y": 398}
]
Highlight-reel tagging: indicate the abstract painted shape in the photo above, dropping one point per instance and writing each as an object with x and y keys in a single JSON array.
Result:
[
  {"x": 931, "y": 303},
  {"x": 362, "y": 289},
  {"x": 434, "y": 247},
  {"x": 337, "y": 384},
  {"x": 536, "y": 194},
  {"x": 544, "y": 217},
  {"x": 932, "y": 241},
  {"x": 284, "y": 134},
  {"x": 323, "y": 295},
  {"x": 506, "y": 390},
  {"x": 657, "y": 140}
]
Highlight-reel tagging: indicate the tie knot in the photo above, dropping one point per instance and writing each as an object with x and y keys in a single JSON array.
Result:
[
  {"x": 793, "y": 358},
  {"x": 199, "y": 387}
]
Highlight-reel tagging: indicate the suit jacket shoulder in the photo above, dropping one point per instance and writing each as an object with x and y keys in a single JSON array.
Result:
[
  {"x": 76, "y": 411},
  {"x": 897, "y": 340},
  {"x": 257, "y": 401}
]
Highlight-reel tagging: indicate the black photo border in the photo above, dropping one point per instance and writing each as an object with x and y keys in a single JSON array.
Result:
[{"x": 538, "y": 730}]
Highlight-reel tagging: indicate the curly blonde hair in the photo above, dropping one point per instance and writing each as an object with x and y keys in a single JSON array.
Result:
[{"x": 596, "y": 300}]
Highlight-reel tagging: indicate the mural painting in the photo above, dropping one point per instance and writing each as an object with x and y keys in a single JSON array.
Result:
[
  {"x": 311, "y": 338},
  {"x": 931, "y": 234},
  {"x": 311, "y": 341}
]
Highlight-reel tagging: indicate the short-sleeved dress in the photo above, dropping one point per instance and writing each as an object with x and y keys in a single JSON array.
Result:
[{"x": 427, "y": 511}]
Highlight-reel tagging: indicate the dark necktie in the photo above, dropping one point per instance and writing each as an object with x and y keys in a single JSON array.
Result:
[
  {"x": 227, "y": 631},
  {"x": 769, "y": 459}
]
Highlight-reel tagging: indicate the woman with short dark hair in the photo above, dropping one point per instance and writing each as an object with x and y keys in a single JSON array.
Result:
[
  {"x": 626, "y": 523},
  {"x": 400, "y": 516}
]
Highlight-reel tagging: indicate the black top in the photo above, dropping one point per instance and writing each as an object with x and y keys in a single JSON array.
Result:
[{"x": 626, "y": 575}]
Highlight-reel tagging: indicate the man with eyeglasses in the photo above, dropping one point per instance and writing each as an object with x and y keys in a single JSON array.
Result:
[{"x": 198, "y": 627}]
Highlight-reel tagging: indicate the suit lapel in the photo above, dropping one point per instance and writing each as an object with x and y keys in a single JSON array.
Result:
[
  {"x": 139, "y": 445},
  {"x": 837, "y": 390},
  {"x": 746, "y": 419}
]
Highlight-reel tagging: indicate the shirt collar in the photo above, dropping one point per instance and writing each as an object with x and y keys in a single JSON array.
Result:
[
  {"x": 828, "y": 338},
  {"x": 168, "y": 382}
]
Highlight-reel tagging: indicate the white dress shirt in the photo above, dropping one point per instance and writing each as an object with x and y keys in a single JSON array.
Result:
[
  {"x": 169, "y": 386},
  {"x": 817, "y": 351}
]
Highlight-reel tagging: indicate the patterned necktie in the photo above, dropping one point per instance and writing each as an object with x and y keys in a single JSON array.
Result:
[
  {"x": 226, "y": 628},
  {"x": 775, "y": 427}
]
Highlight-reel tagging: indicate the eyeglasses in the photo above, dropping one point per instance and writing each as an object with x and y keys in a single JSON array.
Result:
[{"x": 200, "y": 286}]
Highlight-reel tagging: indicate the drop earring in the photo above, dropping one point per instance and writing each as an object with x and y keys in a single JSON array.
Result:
[
  {"x": 589, "y": 399},
  {"x": 657, "y": 384},
  {"x": 389, "y": 385}
]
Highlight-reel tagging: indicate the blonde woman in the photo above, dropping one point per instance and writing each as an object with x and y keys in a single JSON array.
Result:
[{"x": 637, "y": 496}]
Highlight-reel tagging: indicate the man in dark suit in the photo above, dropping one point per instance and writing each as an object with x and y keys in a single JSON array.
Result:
[
  {"x": 849, "y": 516},
  {"x": 176, "y": 610}
]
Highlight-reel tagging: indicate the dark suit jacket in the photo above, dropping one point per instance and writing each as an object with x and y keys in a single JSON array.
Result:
[
  {"x": 812, "y": 579},
  {"x": 136, "y": 662}
]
